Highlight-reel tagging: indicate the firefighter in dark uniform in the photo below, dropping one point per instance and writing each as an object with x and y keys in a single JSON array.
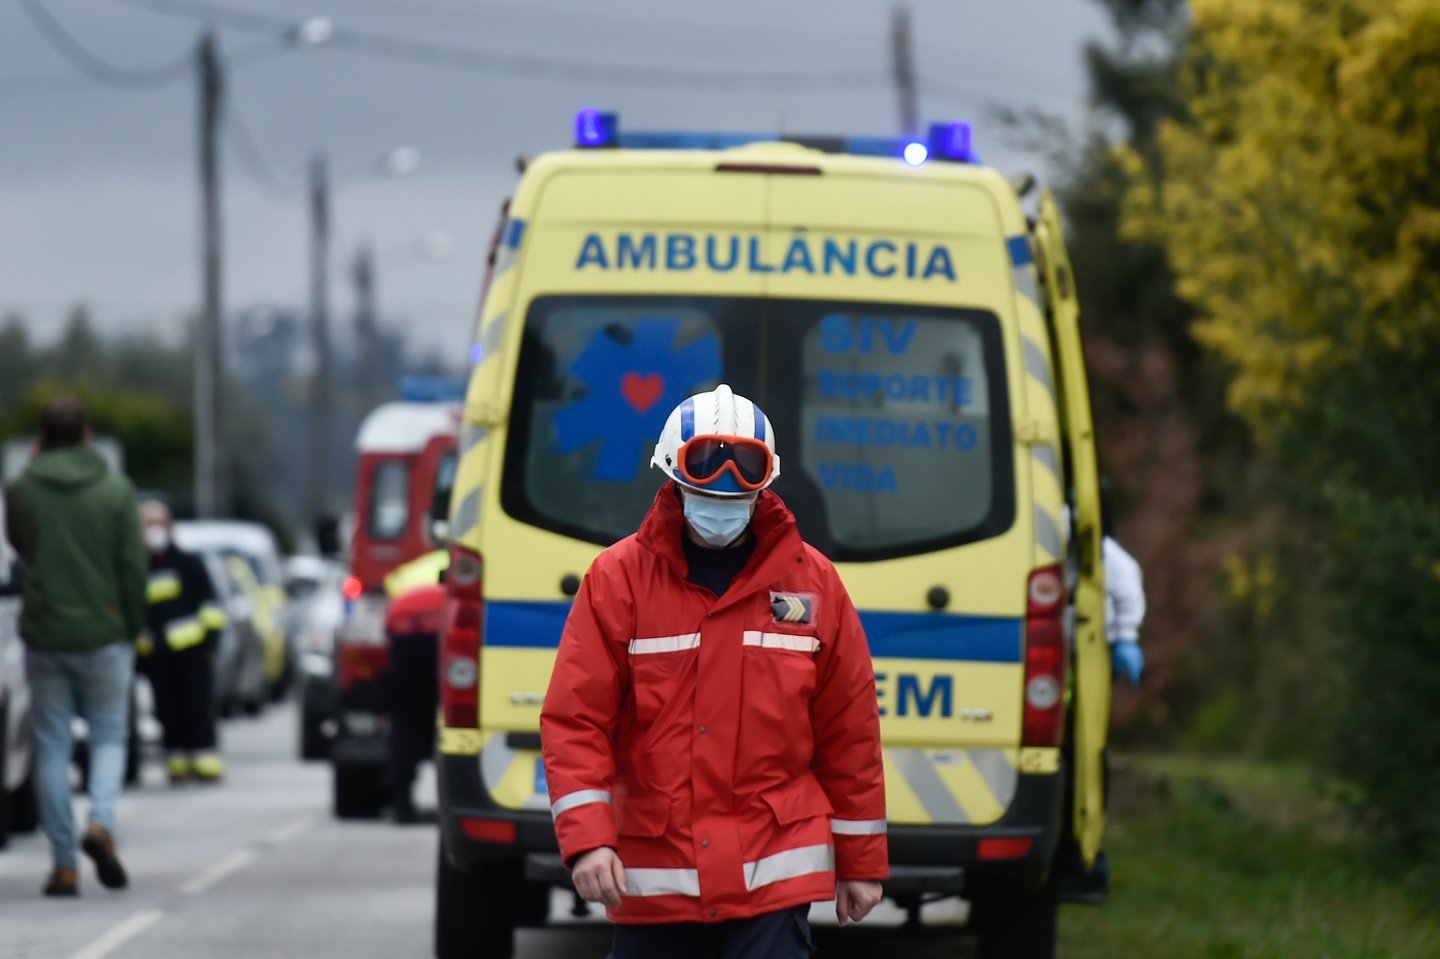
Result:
[{"x": 183, "y": 623}]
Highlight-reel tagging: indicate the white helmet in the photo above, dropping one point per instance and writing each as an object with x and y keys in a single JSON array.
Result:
[{"x": 717, "y": 413}]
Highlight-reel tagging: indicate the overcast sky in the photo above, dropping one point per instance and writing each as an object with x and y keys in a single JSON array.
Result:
[{"x": 98, "y": 185}]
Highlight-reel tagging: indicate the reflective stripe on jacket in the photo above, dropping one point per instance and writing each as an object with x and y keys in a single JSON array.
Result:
[
  {"x": 739, "y": 793},
  {"x": 183, "y": 611}
]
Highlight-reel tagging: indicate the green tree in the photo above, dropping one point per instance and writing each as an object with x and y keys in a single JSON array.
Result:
[{"x": 1297, "y": 201}]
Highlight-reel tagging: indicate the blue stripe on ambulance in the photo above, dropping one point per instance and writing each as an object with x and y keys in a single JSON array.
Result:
[
  {"x": 925, "y": 786},
  {"x": 986, "y": 639}
]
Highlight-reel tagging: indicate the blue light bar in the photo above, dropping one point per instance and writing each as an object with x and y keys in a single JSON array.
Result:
[
  {"x": 692, "y": 141},
  {"x": 596, "y": 129},
  {"x": 432, "y": 389},
  {"x": 946, "y": 141},
  {"x": 952, "y": 141}
]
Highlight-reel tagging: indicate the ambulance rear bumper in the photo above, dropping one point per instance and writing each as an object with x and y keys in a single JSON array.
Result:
[
  {"x": 943, "y": 858},
  {"x": 464, "y": 802},
  {"x": 923, "y": 859}
]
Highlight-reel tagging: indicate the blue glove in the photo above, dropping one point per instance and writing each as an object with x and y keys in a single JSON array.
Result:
[{"x": 1126, "y": 659}]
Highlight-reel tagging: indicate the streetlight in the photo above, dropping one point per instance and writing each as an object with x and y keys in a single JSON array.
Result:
[{"x": 313, "y": 32}]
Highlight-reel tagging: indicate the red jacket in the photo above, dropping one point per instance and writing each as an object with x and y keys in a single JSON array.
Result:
[{"x": 741, "y": 793}]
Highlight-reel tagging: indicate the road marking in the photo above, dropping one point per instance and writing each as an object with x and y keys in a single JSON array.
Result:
[
  {"x": 226, "y": 867},
  {"x": 290, "y": 831},
  {"x": 120, "y": 934}
]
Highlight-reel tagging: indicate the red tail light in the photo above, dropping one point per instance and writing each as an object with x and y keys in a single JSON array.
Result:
[
  {"x": 1005, "y": 847},
  {"x": 1044, "y": 659},
  {"x": 460, "y": 638},
  {"x": 361, "y": 652}
]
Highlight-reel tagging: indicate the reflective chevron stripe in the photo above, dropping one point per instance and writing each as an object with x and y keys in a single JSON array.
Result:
[
  {"x": 969, "y": 786},
  {"x": 802, "y": 644},
  {"x": 664, "y": 644}
]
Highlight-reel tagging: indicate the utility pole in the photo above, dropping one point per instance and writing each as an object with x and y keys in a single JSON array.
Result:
[
  {"x": 209, "y": 478},
  {"x": 366, "y": 326},
  {"x": 902, "y": 57},
  {"x": 320, "y": 332}
]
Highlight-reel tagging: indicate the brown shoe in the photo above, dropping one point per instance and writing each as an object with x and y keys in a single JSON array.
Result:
[
  {"x": 100, "y": 846},
  {"x": 63, "y": 881}
]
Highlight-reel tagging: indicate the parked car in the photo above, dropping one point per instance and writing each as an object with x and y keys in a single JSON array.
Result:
[
  {"x": 17, "y": 739},
  {"x": 240, "y": 683},
  {"x": 252, "y": 563},
  {"x": 315, "y": 586}
]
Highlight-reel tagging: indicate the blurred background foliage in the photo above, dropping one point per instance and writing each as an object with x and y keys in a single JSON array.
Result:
[{"x": 1255, "y": 225}]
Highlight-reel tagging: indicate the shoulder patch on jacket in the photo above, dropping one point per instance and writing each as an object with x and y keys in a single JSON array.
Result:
[{"x": 793, "y": 607}]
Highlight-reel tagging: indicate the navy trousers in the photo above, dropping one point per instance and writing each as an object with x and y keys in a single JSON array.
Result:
[{"x": 774, "y": 935}]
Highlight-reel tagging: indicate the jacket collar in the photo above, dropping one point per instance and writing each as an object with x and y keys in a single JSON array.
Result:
[{"x": 778, "y": 547}]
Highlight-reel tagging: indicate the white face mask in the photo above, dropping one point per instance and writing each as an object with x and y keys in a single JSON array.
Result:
[
  {"x": 718, "y": 522},
  {"x": 157, "y": 539}
]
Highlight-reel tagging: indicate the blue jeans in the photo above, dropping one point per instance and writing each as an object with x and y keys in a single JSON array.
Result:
[{"x": 95, "y": 686}]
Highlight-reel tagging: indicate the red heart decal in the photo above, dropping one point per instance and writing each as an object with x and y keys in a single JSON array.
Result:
[{"x": 642, "y": 392}]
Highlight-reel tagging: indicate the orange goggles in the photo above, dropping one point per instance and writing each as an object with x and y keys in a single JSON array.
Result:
[{"x": 734, "y": 464}]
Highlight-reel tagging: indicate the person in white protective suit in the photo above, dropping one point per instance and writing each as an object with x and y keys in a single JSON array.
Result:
[{"x": 1124, "y": 609}]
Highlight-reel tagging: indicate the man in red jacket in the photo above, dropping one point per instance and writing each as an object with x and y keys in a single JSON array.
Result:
[{"x": 711, "y": 734}]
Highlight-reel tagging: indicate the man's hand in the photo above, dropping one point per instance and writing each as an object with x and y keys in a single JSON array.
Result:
[
  {"x": 854, "y": 898},
  {"x": 600, "y": 877}
]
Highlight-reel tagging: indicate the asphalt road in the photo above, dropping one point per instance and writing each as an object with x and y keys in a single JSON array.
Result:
[{"x": 257, "y": 867}]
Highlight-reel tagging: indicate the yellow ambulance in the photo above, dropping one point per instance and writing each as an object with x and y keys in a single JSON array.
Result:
[{"x": 913, "y": 338}]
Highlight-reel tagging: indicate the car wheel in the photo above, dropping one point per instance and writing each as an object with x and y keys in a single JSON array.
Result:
[
  {"x": 358, "y": 790},
  {"x": 475, "y": 912},
  {"x": 1013, "y": 921}
]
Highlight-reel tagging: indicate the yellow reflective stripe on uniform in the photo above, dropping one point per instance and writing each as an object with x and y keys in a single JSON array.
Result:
[
  {"x": 163, "y": 586},
  {"x": 184, "y": 633},
  {"x": 213, "y": 617},
  {"x": 144, "y": 646}
]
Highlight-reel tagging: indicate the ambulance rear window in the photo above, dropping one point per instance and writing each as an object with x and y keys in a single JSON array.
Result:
[{"x": 892, "y": 422}]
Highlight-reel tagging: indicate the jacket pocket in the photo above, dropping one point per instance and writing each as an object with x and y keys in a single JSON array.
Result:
[
  {"x": 800, "y": 798},
  {"x": 644, "y": 815}
]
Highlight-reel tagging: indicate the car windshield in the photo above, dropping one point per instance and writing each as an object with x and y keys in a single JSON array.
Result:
[{"x": 892, "y": 421}]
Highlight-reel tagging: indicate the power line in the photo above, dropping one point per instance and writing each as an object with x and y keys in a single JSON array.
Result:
[
  {"x": 252, "y": 160},
  {"x": 426, "y": 53},
  {"x": 93, "y": 66}
]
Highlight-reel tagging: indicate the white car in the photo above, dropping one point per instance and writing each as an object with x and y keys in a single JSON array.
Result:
[
  {"x": 17, "y": 738},
  {"x": 263, "y": 584},
  {"x": 315, "y": 586}
]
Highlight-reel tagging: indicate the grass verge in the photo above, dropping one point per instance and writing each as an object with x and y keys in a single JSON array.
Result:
[{"x": 1235, "y": 860}]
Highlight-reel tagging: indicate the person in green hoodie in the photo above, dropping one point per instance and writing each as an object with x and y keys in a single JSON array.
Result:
[{"x": 76, "y": 526}]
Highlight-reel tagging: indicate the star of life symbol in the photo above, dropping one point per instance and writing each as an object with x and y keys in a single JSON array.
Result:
[{"x": 630, "y": 390}]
